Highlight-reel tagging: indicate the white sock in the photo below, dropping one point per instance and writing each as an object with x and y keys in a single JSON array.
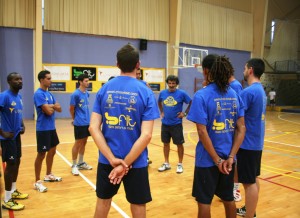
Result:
[
  {"x": 13, "y": 187},
  {"x": 179, "y": 164},
  {"x": 74, "y": 162},
  {"x": 7, "y": 196},
  {"x": 236, "y": 186},
  {"x": 80, "y": 160}
]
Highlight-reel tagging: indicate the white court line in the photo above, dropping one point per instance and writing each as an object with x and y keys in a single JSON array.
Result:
[
  {"x": 279, "y": 116},
  {"x": 92, "y": 185},
  {"x": 281, "y": 143}
]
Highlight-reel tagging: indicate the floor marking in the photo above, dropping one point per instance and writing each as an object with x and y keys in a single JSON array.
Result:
[{"x": 92, "y": 185}]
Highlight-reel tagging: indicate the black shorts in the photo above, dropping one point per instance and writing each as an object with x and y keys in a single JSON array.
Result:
[
  {"x": 46, "y": 140},
  {"x": 11, "y": 149},
  {"x": 272, "y": 101},
  {"x": 81, "y": 132},
  {"x": 136, "y": 184},
  {"x": 209, "y": 181},
  {"x": 175, "y": 132},
  {"x": 249, "y": 165}
]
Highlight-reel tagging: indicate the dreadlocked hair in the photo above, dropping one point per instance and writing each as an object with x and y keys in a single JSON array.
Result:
[{"x": 220, "y": 72}]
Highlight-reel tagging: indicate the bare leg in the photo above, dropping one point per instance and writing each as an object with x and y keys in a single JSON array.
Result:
[
  {"x": 102, "y": 208},
  {"x": 230, "y": 209},
  {"x": 82, "y": 146},
  {"x": 180, "y": 151},
  {"x": 138, "y": 210},
  {"x": 49, "y": 160},
  {"x": 38, "y": 165},
  {"x": 9, "y": 174},
  {"x": 203, "y": 210},
  {"x": 251, "y": 196},
  {"x": 166, "y": 152}
]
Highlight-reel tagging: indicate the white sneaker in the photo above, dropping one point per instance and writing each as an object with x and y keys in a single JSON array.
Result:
[
  {"x": 179, "y": 168},
  {"x": 52, "y": 178},
  {"x": 39, "y": 186},
  {"x": 237, "y": 195},
  {"x": 75, "y": 170},
  {"x": 84, "y": 166},
  {"x": 164, "y": 167}
]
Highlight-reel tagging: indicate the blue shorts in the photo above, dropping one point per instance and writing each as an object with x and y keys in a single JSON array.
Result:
[
  {"x": 11, "y": 149},
  {"x": 46, "y": 140},
  {"x": 81, "y": 132},
  {"x": 209, "y": 181},
  {"x": 249, "y": 165},
  {"x": 175, "y": 132},
  {"x": 136, "y": 184}
]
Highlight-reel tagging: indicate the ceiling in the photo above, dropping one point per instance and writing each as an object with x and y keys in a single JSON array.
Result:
[{"x": 285, "y": 9}]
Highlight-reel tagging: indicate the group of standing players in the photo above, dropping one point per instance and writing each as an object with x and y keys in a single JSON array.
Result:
[{"x": 230, "y": 126}]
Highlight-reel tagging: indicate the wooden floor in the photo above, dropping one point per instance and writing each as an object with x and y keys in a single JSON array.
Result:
[{"x": 75, "y": 196}]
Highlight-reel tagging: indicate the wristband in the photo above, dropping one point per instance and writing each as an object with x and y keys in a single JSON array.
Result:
[{"x": 230, "y": 156}]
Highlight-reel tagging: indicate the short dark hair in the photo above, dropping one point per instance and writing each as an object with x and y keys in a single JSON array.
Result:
[
  {"x": 82, "y": 76},
  {"x": 127, "y": 58},
  {"x": 42, "y": 74},
  {"x": 172, "y": 78},
  {"x": 110, "y": 78},
  {"x": 11, "y": 75},
  {"x": 258, "y": 66}
]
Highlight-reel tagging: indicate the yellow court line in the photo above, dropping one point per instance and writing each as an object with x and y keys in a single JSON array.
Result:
[
  {"x": 294, "y": 177},
  {"x": 284, "y": 170},
  {"x": 296, "y": 152},
  {"x": 287, "y": 133}
]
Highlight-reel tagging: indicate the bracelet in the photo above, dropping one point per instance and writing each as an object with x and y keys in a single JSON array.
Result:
[
  {"x": 230, "y": 156},
  {"x": 220, "y": 160}
]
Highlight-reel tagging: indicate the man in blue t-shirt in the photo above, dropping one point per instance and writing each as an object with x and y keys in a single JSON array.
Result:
[
  {"x": 170, "y": 102},
  {"x": 12, "y": 126},
  {"x": 219, "y": 116},
  {"x": 80, "y": 113},
  {"x": 126, "y": 110},
  {"x": 46, "y": 136},
  {"x": 249, "y": 155}
]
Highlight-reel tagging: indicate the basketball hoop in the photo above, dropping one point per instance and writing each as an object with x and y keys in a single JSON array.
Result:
[{"x": 199, "y": 67}]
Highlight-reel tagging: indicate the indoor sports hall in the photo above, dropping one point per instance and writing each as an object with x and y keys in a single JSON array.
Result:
[{"x": 69, "y": 38}]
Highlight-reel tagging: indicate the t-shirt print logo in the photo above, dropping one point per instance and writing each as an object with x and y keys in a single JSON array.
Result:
[
  {"x": 109, "y": 100},
  {"x": 170, "y": 101}
]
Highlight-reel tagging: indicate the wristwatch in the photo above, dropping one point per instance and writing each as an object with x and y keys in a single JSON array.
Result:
[
  {"x": 184, "y": 114},
  {"x": 220, "y": 160}
]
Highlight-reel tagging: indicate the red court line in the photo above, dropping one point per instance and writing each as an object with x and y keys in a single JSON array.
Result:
[
  {"x": 278, "y": 175},
  {"x": 10, "y": 212},
  {"x": 284, "y": 186},
  {"x": 266, "y": 179}
]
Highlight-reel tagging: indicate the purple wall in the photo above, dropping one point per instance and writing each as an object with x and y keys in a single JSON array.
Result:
[
  {"x": 238, "y": 59},
  {"x": 16, "y": 55},
  {"x": 68, "y": 48}
]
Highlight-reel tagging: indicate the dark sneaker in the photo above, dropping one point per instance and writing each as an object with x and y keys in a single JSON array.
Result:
[{"x": 242, "y": 211}]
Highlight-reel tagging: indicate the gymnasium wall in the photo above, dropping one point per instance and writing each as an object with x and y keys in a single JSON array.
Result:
[{"x": 16, "y": 55}]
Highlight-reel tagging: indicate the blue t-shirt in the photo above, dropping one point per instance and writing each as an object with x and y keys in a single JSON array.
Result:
[
  {"x": 237, "y": 86},
  {"x": 219, "y": 113},
  {"x": 172, "y": 103},
  {"x": 11, "y": 112},
  {"x": 80, "y": 100},
  {"x": 44, "y": 122},
  {"x": 255, "y": 101},
  {"x": 124, "y": 103}
]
